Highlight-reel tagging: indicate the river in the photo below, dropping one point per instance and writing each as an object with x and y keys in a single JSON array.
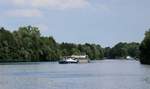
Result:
[{"x": 105, "y": 74}]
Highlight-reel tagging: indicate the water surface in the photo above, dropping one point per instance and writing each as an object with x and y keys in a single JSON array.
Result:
[{"x": 106, "y": 74}]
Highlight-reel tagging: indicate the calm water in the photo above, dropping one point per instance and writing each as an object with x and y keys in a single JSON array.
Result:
[{"x": 107, "y": 74}]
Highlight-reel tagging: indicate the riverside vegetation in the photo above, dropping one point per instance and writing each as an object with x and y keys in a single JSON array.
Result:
[
  {"x": 145, "y": 49},
  {"x": 27, "y": 45}
]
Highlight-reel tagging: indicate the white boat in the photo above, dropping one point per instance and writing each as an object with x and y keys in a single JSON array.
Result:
[
  {"x": 68, "y": 60},
  {"x": 129, "y": 58}
]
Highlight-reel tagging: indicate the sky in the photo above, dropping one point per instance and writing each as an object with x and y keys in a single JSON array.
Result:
[{"x": 104, "y": 22}]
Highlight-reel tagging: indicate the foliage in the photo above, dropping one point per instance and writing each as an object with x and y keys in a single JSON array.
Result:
[
  {"x": 145, "y": 49},
  {"x": 93, "y": 51},
  {"x": 27, "y": 45},
  {"x": 122, "y": 50}
]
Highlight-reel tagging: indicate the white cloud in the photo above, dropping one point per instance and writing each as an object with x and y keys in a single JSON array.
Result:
[
  {"x": 22, "y": 13},
  {"x": 32, "y": 8},
  {"x": 51, "y": 4}
]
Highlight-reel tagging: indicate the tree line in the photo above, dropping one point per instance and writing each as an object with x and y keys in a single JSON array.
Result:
[
  {"x": 139, "y": 51},
  {"x": 122, "y": 50},
  {"x": 27, "y": 45}
]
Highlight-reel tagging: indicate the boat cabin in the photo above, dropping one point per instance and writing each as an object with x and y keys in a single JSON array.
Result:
[{"x": 81, "y": 58}]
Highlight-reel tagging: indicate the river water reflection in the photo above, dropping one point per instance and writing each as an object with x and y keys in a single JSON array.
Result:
[{"x": 105, "y": 74}]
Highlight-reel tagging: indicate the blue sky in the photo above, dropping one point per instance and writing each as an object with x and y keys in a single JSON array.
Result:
[{"x": 105, "y": 22}]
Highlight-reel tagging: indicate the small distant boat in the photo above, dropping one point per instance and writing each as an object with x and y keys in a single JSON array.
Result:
[
  {"x": 75, "y": 59},
  {"x": 68, "y": 60},
  {"x": 129, "y": 58}
]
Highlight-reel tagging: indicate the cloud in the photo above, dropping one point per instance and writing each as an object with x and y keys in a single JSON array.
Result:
[
  {"x": 33, "y": 8},
  {"x": 22, "y": 13},
  {"x": 51, "y": 4}
]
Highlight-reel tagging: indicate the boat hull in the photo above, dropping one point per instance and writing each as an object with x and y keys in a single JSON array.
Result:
[{"x": 67, "y": 62}]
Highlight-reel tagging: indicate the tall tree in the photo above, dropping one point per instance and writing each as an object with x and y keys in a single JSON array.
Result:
[{"x": 145, "y": 49}]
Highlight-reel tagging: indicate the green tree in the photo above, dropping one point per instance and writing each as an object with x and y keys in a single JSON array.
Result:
[
  {"x": 133, "y": 49},
  {"x": 145, "y": 49},
  {"x": 121, "y": 50},
  {"x": 27, "y": 45}
]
